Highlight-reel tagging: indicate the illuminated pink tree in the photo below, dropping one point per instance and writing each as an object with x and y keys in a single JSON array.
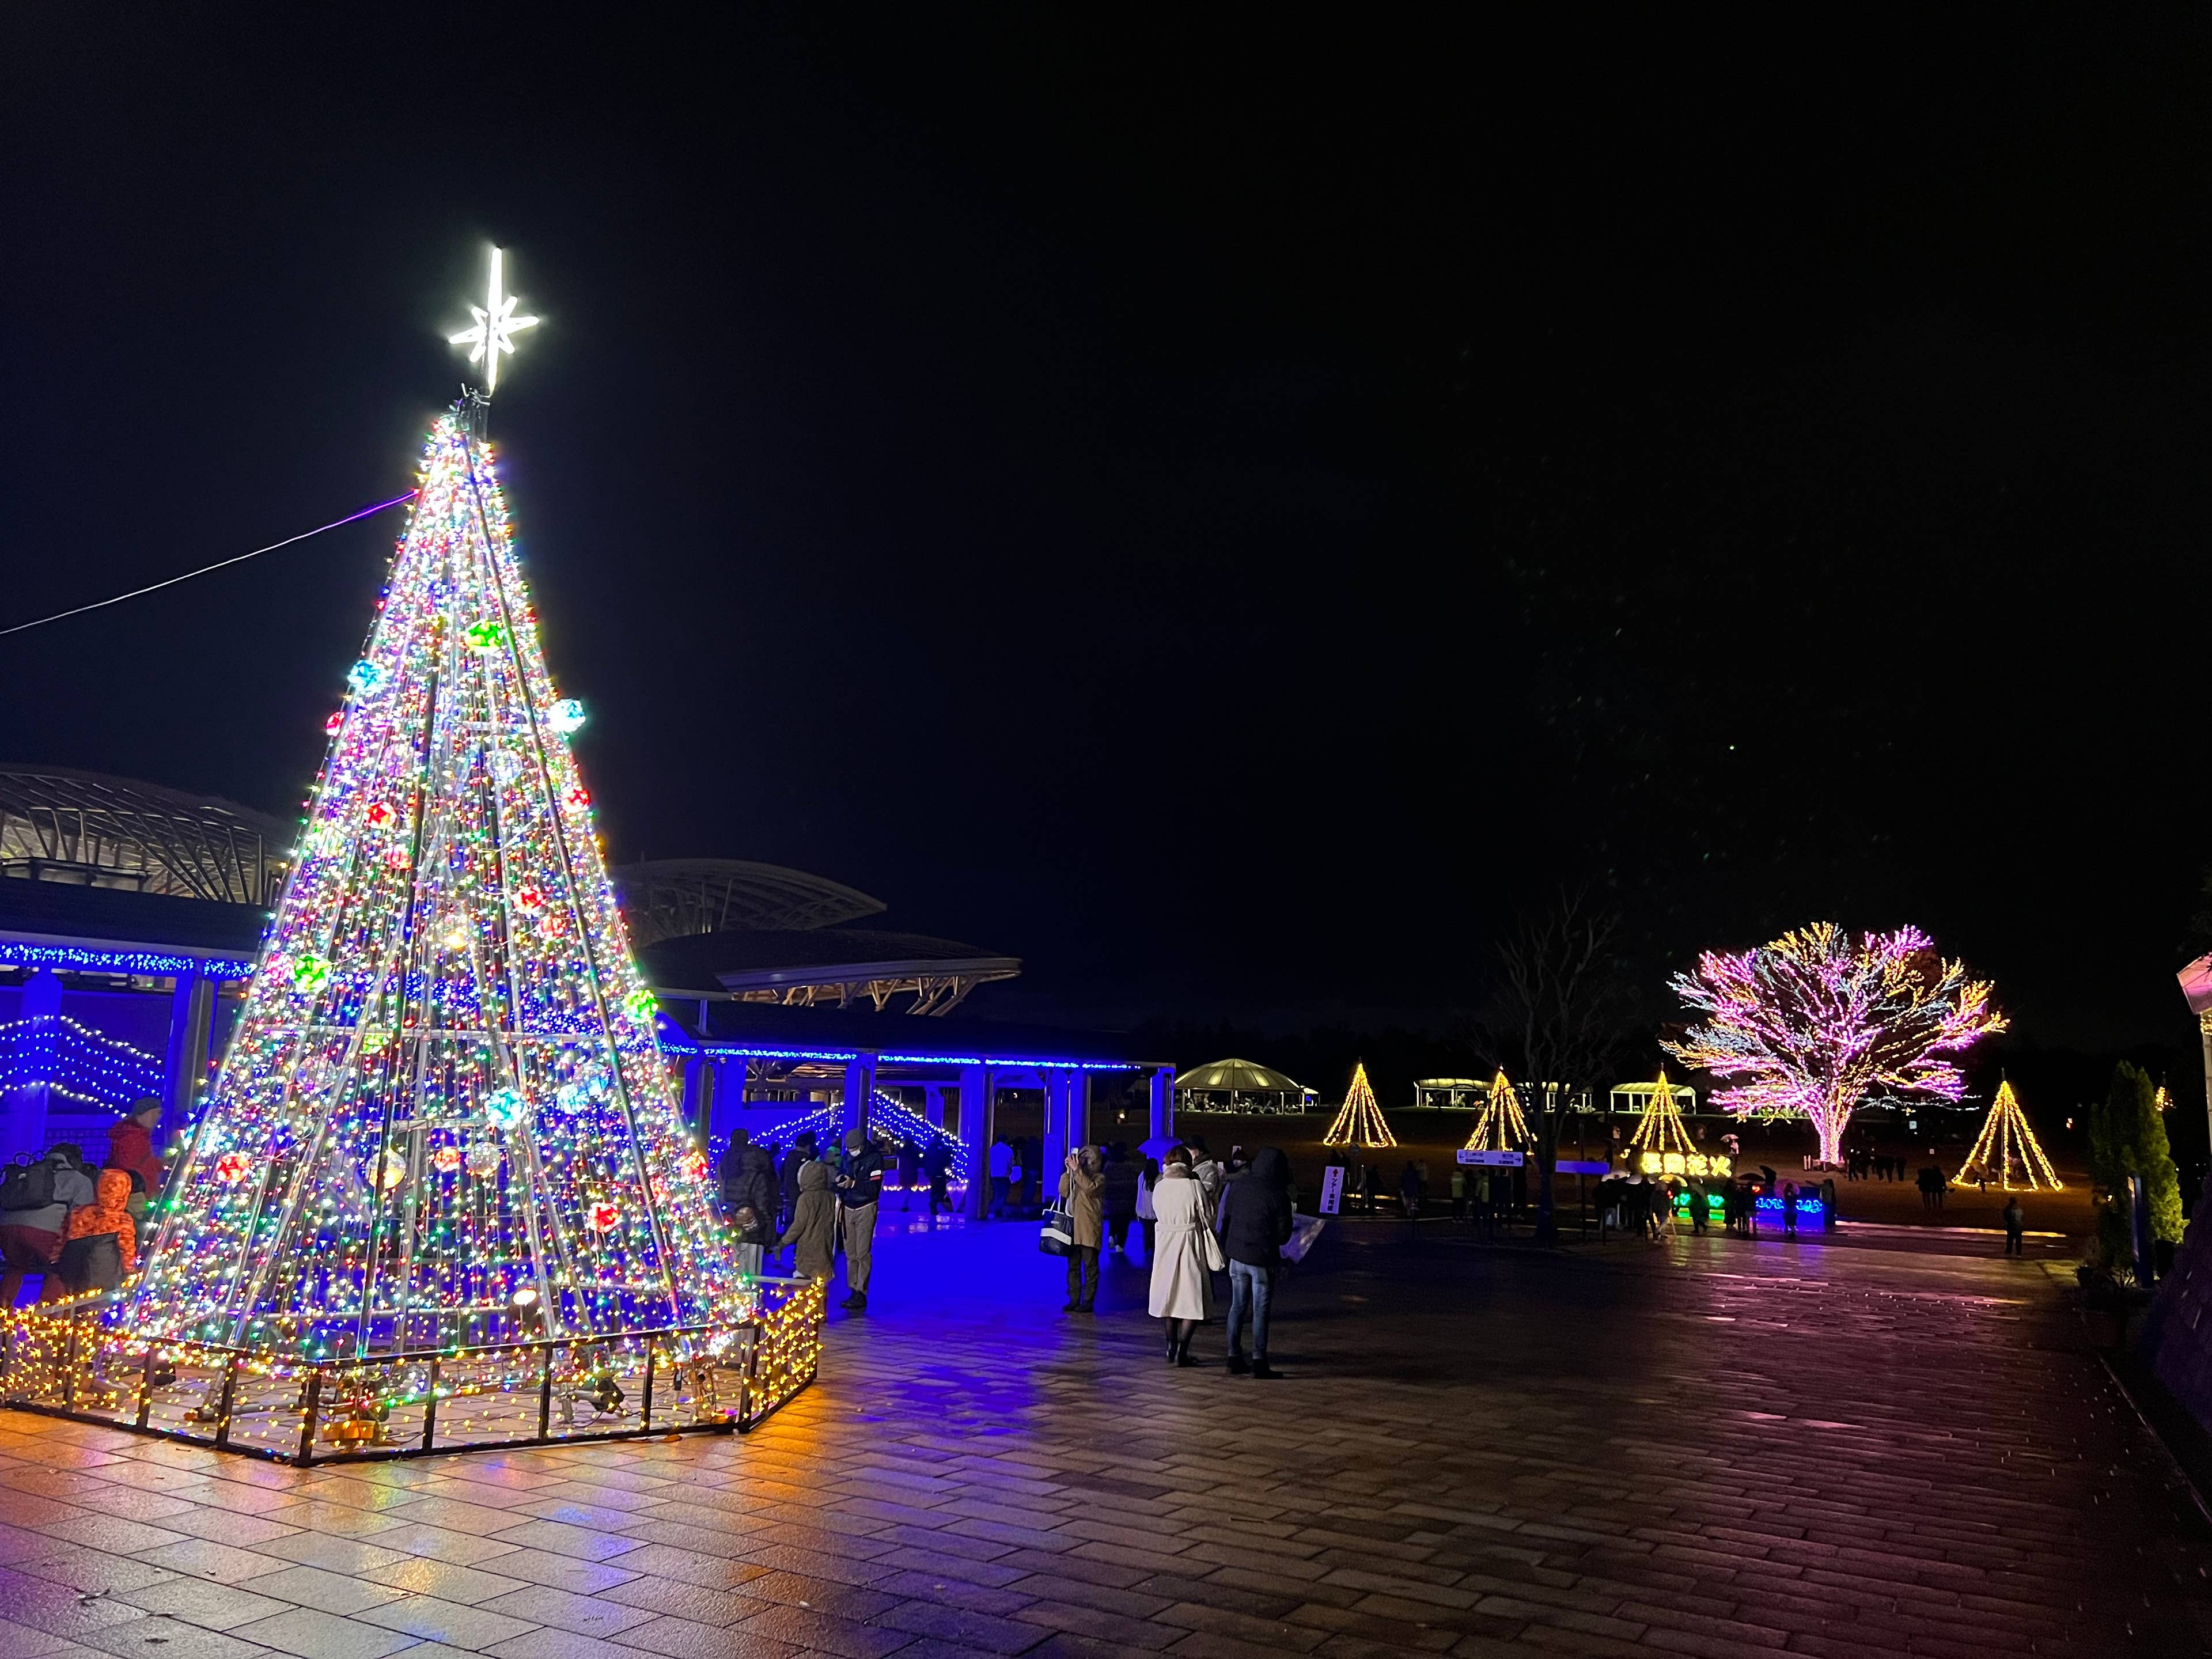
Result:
[{"x": 1820, "y": 1022}]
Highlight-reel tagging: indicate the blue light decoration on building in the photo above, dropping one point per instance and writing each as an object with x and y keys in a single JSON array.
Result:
[
  {"x": 81, "y": 959},
  {"x": 56, "y": 1052},
  {"x": 903, "y": 1123}
]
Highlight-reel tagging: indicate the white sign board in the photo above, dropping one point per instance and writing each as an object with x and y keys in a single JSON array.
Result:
[
  {"x": 1332, "y": 1190},
  {"x": 1497, "y": 1160}
]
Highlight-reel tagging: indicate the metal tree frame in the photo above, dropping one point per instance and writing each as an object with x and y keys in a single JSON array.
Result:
[{"x": 61, "y": 1361}]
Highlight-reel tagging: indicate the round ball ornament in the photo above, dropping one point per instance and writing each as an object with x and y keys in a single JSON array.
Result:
[
  {"x": 447, "y": 1160},
  {"x": 486, "y": 635},
  {"x": 230, "y": 1169},
  {"x": 504, "y": 765},
  {"x": 386, "y": 1170},
  {"x": 577, "y": 797},
  {"x": 603, "y": 1216},
  {"x": 566, "y": 716},
  {"x": 364, "y": 676},
  {"x": 483, "y": 1160},
  {"x": 503, "y": 1108}
]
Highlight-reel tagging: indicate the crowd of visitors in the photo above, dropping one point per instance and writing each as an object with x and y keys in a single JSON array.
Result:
[
  {"x": 74, "y": 1226},
  {"x": 814, "y": 1204},
  {"x": 1200, "y": 1219}
]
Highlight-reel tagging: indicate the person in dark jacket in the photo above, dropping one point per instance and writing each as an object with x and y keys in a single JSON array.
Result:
[
  {"x": 1254, "y": 1220},
  {"x": 859, "y": 1186},
  {"x": 1121, "y": 1174},
  {"x": 729, "y": 1174},
  {"x": 800, "y": 1155},
  {"x": 752, "y": 1202},
  {"x": 937, "y": 1165}
]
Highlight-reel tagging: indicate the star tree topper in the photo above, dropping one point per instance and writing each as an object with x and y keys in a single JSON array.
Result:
[{"x": 493, "y": 330}]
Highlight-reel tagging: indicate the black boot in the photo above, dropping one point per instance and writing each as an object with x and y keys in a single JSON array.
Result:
[
  {"x": 1171, "y": 1342},
  {"x": 1260, "y": 1368},
  {"x": 1182, "y": 1352},
  {"x": 1236, "y": 1365}
]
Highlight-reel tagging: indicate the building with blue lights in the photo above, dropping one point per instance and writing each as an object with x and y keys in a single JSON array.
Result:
[{"x": 130, "y": 916}]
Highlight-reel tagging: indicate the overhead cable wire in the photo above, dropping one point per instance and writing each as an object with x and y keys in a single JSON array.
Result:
[{"x": 237, "y": 558}]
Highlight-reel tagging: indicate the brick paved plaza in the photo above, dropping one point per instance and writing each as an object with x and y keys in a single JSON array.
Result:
[{"x": 1708, "y": 1448}]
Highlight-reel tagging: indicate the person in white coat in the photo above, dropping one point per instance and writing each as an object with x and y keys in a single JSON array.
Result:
[{"x": 1187, "y": 1252}]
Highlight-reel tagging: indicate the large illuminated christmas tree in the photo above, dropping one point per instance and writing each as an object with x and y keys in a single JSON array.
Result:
[{"x": 443, "y": 1117}]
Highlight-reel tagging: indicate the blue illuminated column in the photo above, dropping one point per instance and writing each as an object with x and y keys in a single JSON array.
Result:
[
  {"x": 1057, "y": 1098},
  {"x": 698, "y": 1093},
  {"x": 859, "y": 1083},
  {"x": 38, "y": 1053},
  {"x": 1163, "y": 1102},
  {"x": 933, "y": 1103},
  {"x": 726, "y": 1110},
  {"x": 192, "y": 1017},
  {"x": 976, "y": 1134}
]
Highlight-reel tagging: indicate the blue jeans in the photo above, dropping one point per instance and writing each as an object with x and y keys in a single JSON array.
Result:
[{"x": 1250, "y": 1289}]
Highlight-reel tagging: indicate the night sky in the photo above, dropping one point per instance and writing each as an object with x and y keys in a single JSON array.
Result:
[{"x": 1228, "y": 514}]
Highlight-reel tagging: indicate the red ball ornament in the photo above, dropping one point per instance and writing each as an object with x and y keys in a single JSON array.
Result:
[
  {"x": 332, "y": 724},
  {"x": 530, "y": 898},
  {"x": 577, "y": 796},
  {"x": 446, "y": 1160},
  {"x": 230, "y": 1169},
  {"x": 379, "y": 814},
  {"x": 605, "y": 1217}
]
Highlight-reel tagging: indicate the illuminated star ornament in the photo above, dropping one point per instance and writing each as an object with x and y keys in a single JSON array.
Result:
[{"x": 495, "y": 327}]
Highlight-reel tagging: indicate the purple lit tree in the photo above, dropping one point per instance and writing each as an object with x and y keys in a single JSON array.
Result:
[{"x": 1820, "y": 1022}]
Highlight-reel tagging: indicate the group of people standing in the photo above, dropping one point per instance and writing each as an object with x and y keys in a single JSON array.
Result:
[
  {"x": 810, "y": 1204},
  {"x": 75, "y": 1227},
  {"x": 1199, "y": 1220}
]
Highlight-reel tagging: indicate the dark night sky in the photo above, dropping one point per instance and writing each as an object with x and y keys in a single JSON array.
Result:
[{"x": 1226, "y": 514}]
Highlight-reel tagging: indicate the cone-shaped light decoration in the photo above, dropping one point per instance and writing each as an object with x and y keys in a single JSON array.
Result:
[
  {"x": 444, "y": 1116},
  {"x": 1501, "y": 1127},
  {"x": 1359, "y": 1120},
  {"x": 1659, "y": 1128},
  {"x": 2006, "y": 1151}
]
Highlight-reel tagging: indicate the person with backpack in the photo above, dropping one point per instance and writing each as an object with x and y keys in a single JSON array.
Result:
[{"x": 35, "y": 1201}]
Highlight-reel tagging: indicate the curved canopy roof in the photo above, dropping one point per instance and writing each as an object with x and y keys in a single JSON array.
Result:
[
  {"x": 63, "y": 824},
  {"x": 665, "y": 898},
  {"x": 1242, "y": 1077},
  {"x": 809, "y": 966}
]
